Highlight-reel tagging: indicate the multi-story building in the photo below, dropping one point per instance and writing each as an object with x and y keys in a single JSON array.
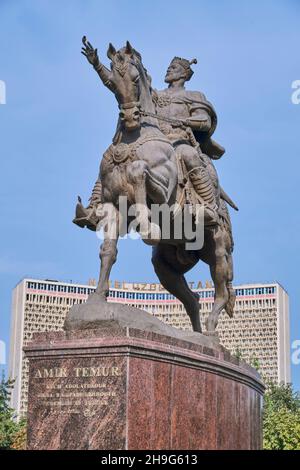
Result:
[{"x": 258, "y": 332}]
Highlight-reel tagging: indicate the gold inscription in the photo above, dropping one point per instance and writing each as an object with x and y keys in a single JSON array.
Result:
[
  {"x": 97, "y": 371},
  {"x": 77, "y": 390},
  {"x": 56, "y": 372},
  {"x": 60, "y": 372}
]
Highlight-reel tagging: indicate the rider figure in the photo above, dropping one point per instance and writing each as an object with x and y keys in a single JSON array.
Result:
[
  {"x": 192, "y": 142},
  {"x": 196, "y": 148}
]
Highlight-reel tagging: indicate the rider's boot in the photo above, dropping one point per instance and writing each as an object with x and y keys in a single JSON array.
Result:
[
  {"x": 86, "y": 216},
  {"x": 203, "y": 187}
]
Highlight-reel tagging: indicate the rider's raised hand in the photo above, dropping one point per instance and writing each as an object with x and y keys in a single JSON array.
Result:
[{"x": 89, "y": 52}]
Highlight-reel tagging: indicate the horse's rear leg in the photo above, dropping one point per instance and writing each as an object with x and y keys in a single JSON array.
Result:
[
  {"x": 170, "y": 274},
  {"x": 219, "y": 273},
  {"x": 229, "y": 307},
  {"x": 108, "y": 249}
]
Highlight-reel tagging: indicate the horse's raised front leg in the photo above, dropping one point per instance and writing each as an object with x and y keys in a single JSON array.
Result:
[
  {"x": 108, "y": 250},
  {"x": 139, "y": 175}
]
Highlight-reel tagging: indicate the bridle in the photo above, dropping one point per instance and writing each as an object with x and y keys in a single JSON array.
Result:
[
  {"x": 130, "y": 105},
  {"x": 137, "y": 105}
]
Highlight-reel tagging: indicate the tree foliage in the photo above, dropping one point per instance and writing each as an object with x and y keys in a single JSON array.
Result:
[
  {"x": 20, "y": 438},
  {"x": 9, "y": 427},
  {"x": 281, "y": 418}
]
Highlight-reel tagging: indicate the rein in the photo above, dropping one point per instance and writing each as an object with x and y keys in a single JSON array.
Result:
[{"x": 176, "y": 122}]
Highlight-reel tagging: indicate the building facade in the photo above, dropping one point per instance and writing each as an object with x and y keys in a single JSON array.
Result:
[{"x": 258, "y": 332}]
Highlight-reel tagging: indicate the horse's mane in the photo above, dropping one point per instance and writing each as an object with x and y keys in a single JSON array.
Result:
[
  {"x": 142, "y": 69},
  {"x": 136, "y": 59}
]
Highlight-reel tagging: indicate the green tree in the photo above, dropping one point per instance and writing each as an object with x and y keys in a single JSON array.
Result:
[
  {"x": 238, "y": 354},
  {"x": 281, "y": 418},
  {"x": 254, "y": 362},
  {"x": 20, "y": 438},
  {"x": 9, "y": 427}
]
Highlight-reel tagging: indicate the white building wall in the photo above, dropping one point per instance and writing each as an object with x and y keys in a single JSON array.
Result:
[
  {"x": 16, "y": 343},
  {"x": 287, "y": 354},
  {"x": 284, "y": 364}
]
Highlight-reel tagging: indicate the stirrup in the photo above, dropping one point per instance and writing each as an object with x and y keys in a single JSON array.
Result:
[{"x": 84, "y": 217}]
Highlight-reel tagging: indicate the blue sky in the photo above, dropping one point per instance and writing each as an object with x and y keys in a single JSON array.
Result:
[{"x": 59, "y": 119}]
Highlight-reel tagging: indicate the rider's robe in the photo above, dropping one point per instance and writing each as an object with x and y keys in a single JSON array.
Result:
[{"x": 186, "y": 104}]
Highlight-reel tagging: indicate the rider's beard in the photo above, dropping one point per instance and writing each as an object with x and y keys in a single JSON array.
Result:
[
  {"x": 169, "y": 78},
  {"x": 173, "y": 77}
]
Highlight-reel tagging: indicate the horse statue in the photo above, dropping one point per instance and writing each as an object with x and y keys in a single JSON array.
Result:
[{"x": 141, "y": 165}]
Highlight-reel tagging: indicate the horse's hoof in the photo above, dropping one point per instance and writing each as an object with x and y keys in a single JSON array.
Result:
[
  {"x": 97, "y": 296},
  {"x": 153, "y": 236},
  {"x": 213, "y": 335},
  {"x": 210, "y": 325}
]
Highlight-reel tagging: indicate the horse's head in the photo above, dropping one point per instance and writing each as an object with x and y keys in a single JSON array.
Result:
[{"x": 127, "y": 77}]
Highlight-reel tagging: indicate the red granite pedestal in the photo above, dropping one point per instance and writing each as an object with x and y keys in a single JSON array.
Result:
[{"x": 121, "y": 388}]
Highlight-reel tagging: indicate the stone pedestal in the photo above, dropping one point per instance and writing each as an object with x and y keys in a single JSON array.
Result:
[{"x": 122, "y": 388}]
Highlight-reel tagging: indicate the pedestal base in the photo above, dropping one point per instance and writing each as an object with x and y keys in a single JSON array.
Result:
[{"x": 121, "y": 388}]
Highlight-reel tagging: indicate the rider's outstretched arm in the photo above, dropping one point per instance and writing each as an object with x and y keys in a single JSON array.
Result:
[
  {"x": 92, "y": 56},
  {"x": 104, "y": 74}
]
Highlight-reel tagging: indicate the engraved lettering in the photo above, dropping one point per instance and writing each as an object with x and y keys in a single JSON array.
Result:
[{"x": 57, "y": 372}]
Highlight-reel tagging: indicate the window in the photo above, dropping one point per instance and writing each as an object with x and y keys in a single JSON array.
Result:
[{"x": 160, "y": 296}]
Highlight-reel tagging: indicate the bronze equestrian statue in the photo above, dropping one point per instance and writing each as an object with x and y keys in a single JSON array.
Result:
[{"x": 161, "y": 153}]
